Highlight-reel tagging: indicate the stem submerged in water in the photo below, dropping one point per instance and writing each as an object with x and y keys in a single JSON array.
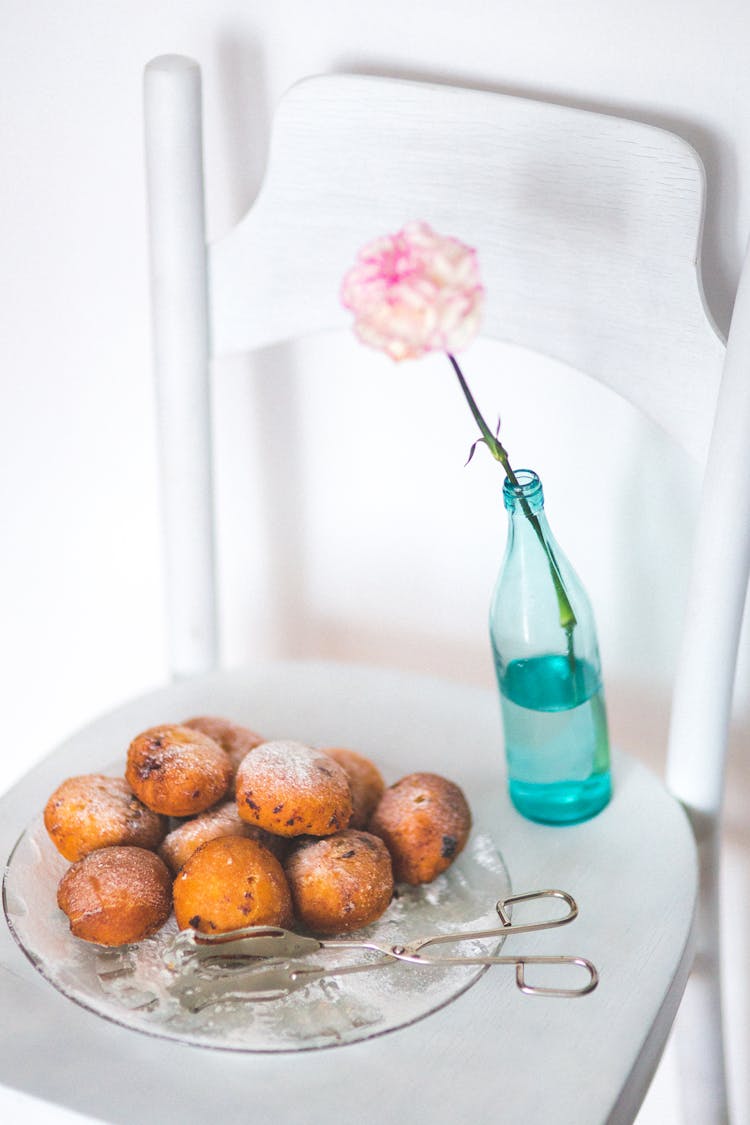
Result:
[{"x": 498, "y": 451}]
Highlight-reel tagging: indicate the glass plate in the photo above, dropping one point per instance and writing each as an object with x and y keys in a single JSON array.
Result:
[{"x": 132, "y": 986}]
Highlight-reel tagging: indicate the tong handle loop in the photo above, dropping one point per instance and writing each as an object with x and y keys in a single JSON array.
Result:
[
  {"x": 539, "y": 990},
  {"x": 531, "y": 896},
  {"x": 507, "y": 927},
  {"x": 520, "y": 961}
]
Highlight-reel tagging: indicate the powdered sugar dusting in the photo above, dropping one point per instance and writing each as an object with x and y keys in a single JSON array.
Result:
[
  {"x": 236, "y": 740},
  {"x": 94, "y": 811},
  {"x": 222, "y": 820},
  {"x": 177, "y": 770},
  {"x": 292, "y": 790},
  {"x": 290, "y": 764}
]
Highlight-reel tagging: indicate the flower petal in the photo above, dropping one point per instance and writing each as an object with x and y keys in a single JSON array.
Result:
[{"x": 414, "y": 292}]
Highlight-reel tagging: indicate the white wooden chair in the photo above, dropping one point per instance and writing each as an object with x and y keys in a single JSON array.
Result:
[{"x": 622, "y": 304}]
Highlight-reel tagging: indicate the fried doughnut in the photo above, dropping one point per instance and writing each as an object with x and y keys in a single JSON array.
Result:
[
  {"x": 366, "y": 782},
  {"x": 93, "y": 811},
  {"x": 235, "y": 740},
  {"x": 424, "y": 821},
  {"x": 340, "y": 883},
  {"x": 177, "y": 771},
  {"x": 291, "y": 790},
  {"x": 231, "y": 882},
  {"x": 223, "y": 820},
  {"x": 117, "y": 895}
]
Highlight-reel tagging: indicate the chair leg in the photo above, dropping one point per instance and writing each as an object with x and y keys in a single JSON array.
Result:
[{"x": 699, "y": 1035}]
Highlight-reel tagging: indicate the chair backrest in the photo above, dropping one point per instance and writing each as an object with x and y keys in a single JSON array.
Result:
[{"x": 589, "y": 228}]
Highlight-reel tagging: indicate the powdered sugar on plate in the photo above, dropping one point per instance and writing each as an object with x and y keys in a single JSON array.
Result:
[{"x": 133, "y": 985}]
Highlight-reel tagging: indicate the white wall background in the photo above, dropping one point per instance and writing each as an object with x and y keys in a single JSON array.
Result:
[{"x": 381, "y": 549}]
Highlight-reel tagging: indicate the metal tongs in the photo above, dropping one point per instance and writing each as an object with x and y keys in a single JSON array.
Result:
[{"x": 263, "y": 962}]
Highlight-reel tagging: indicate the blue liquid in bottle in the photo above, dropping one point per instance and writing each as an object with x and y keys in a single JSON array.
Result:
[
  {"x": 548, "y": 670},
  {"x": 556, "y": 739}
]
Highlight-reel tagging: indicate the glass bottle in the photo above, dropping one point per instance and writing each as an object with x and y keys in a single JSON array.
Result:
[{"x": 548, "y": 670}]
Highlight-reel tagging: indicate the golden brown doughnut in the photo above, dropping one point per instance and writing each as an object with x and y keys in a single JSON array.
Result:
[
  {"x": 366, "y": 782},
  {"x": 93, "y": 811},
  {"x": 117, "y": 895},
  {"x": 231, "y": 882},
  {"x": 424, "y": 821},
  {"x": 177, "y": 771},
  {"x": 340, "y": 883},
  {"x": 223, "y": 820},
  {"x": 235, "y": 740},
  {"x": 291, "y": 790}
]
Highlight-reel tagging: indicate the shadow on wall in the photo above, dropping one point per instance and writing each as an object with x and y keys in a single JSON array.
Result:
[{"x": 242, "y": 122}]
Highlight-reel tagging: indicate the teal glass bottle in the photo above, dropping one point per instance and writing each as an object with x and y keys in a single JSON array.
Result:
[{"x": 548, "y": 671}]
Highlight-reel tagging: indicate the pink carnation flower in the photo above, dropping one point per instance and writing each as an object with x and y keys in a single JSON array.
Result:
[{"x": 415, "y": 292}]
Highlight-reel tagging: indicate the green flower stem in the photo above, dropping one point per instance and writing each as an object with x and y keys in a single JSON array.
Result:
[{"x": 567, "y": 616}]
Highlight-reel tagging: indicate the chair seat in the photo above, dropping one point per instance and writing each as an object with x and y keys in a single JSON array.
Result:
[{"x": 491, "y": 1054}]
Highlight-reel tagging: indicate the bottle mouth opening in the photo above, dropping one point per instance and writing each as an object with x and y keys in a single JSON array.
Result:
[{"x": 528, "y": 488}]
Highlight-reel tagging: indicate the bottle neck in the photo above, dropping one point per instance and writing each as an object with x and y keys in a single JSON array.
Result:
[
  {"x": 531, "y": 544},
  {"x": 526, "y": 496},
  {"x": 524, "y": 503}
]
